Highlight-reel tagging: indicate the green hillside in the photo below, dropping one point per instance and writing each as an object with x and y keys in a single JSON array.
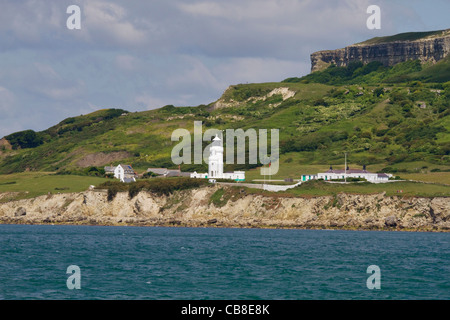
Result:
[
  {"x": 374, "y": 73},
  {"x": 393, "y": 119}
]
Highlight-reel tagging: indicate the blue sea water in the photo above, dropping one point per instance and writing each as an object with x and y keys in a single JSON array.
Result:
[{"x": 219, "y": 263}]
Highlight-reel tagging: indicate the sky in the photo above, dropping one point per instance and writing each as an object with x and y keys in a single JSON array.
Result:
[{"x": 140, "y": 55}]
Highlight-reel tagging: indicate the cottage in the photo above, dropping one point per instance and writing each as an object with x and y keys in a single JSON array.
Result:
[
  {"x": 109, "y": 169},
  {"x": 307, "y": 177},
  {"x": 124, "y": 171}
]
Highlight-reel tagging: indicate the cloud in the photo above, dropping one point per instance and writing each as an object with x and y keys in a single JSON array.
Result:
[
  {"x": 29, "y": 24},
  {"x": 195, "y": 74},
  {"x": 148, "y": 102},
  {"x": 109, "y": 23},
  {"x": 47, "y": 82},
  {"x": 277, "y": 29},
  {"x": 256, "y": 69},
  {"x": 126, "y": 62}
]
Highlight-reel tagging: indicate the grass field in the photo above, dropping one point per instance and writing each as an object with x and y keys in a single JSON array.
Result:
[
  {"x": 292, "y": 166},
  {"x": 402, "y": 189},
  {"x": 30, "y": 185},
  {"x": 435, "y": 177}
]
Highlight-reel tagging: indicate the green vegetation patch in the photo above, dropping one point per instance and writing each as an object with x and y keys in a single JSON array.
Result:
[
  {"x": 159, "y": 186},
  {"x": 406, "y": 36},
  {"x": 33, "y": 184},
  {"x": 401, "y": 188}
]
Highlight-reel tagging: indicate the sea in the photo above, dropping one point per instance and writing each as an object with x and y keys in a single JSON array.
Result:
[{"x": 54, "y": 262}]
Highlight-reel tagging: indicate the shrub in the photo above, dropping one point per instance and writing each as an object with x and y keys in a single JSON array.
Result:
[
  {"x": 24, "y": 139},
  {"x": 163, "y": 186},
  {"x": 378, "y": 91}
]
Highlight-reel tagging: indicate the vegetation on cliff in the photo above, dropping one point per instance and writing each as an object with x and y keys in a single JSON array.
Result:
[
  {"x": 375, "y": 72},
  {"x": 406, "y": 36}
]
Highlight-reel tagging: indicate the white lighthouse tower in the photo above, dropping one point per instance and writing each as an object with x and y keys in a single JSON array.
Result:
[
  {"x": 215, "y": 165},
  {"x": 215, "y": 161}
]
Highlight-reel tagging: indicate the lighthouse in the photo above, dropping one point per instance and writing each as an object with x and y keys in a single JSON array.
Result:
[
  {"x": 215, "y": 161},
  {"x": 215, "y": 165}
]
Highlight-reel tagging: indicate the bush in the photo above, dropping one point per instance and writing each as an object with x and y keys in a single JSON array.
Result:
[
  {"x": 113, "y": 189},
  {"x": 320, "y": 102},
  {"x": 158, "y": 186},
  {"x": 378, "y": 91},
  {"x": 24, "y": 139}
]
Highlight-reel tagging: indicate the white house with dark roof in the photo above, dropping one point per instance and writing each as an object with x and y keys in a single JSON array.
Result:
[
  {"x": 109, "y": 169},
  {"x": 340, "y": 174},
  {"x": 124, "y": 173}
]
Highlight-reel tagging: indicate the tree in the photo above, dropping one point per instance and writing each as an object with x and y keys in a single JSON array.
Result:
[{"x": 24, "y": 139}]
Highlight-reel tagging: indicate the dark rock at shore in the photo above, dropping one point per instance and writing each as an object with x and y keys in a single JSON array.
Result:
[
  {"x": 391, "y": 221},
  {"x": 21, "y": 211}
]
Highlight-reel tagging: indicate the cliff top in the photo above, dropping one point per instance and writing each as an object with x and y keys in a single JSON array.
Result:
[{"x": 407, "y": 36}]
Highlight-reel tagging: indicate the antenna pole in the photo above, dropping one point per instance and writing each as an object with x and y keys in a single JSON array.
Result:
[{"x": 345, "y": 175}]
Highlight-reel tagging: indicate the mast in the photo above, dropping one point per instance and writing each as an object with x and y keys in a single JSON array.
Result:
[{"x": 345, "y": 175}]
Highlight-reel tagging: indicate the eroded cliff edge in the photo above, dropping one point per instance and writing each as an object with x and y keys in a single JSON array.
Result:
[
  {"x": 427, "y": 49},
  {"x": 194, "y": 208}
]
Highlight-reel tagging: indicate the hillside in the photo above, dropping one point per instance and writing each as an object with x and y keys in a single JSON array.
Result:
[
  {"x": 406, "y": 36},
  {"x": 386, "y": 124},
  {"x": 390, "y": 118}
]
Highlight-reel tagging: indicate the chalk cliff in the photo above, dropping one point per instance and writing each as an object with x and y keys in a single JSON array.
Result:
[
  {"x": 432, "y": 47},
  {"x": 194, "y": 208}
]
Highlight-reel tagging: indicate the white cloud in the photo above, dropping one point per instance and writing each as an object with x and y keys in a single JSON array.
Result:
[
  {"x": 126, "y": 62},
  {"x": 107, "y": 22},
  {"x": 195, "y": 74},
  {"x": 148, "y": 102},
  {"x": 46, "y": 81},
  {"x": 256, "y": 69}
]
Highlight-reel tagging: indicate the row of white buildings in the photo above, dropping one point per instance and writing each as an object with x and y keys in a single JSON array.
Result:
[
  {"x": 333, "y": 174},
  {"x": 125, "y": 173}
]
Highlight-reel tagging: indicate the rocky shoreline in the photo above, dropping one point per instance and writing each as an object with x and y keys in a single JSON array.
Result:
[{"x": 235, "y": 209}]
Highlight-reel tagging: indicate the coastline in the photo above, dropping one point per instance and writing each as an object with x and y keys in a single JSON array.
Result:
[
  {"x": 197, "y": 208},
  {"x": 220, "y": 226}
]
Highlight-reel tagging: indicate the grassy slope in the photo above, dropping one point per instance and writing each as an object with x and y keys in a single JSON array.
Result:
[
  {"x": 316, "y": 126},
  {"x": 374, "y": 128},
  {"x": 33, "y": 184},
  {"x": 407, "y": 36},
  {"x": 404, "y": 189}
]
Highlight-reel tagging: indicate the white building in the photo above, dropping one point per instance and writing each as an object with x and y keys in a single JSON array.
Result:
[
  {"x": 215, "y": 160},
  {"x": 124, "y": 173},
  {"x": 215, "y": 165},
  {"x": 332, "y": 174}
]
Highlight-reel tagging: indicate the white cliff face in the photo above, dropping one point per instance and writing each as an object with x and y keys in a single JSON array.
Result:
[
  {"x": 194, "y": 208},
  {"x": 285, "y": 93}
]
